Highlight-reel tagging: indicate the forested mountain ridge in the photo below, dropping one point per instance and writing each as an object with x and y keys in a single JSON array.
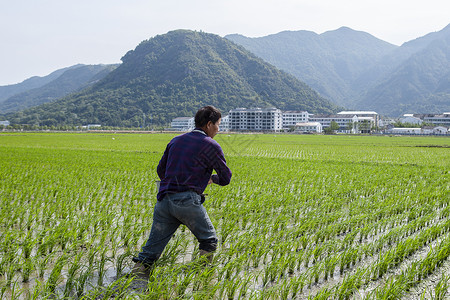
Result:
[
  {"x": 418, "y": 83},
  {"x": 331, "y": 62},
  {"x": 68, "y": 80},
  {"x": 359, "y": 71},
  {"x": 173, "y": 75}
]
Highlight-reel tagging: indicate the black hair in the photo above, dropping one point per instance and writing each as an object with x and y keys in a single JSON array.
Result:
[{"x": 206, "y": 114}]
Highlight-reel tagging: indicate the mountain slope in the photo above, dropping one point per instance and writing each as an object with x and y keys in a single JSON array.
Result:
[
  {"x": 330, "y": 62},
  {"x": 419, "y": 84},
  {"x": 72, "y": 79},
  {"x": 173, "y": 75},
  {"x": 7, "y": 91},
  {"x": 361, "y": 72}
]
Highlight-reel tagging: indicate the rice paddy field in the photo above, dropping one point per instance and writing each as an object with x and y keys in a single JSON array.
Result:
[{"x": 305, "y": 217}]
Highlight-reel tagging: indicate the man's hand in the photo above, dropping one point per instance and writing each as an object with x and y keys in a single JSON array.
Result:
[{"x": 210, "y": 181}]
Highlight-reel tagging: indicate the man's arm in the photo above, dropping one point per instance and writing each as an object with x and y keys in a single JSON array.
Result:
[
  {"x": 161, "y": 169},
  {"x": 223, "y": 176}
]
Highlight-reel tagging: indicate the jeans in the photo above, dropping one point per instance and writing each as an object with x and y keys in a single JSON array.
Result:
[{"x": 175, "y": 209}]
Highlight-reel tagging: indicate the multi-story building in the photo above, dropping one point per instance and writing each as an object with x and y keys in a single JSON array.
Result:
[
  {"x": 363, "y": 114},
  {"x": 291, "y": 118},
  {"x": 225, "y": 123},
  {"x": 183, "y": 123},
  {"x": 347, "y": 122},
  {"x": 255, "y": 119},
  {"x": 438, "y": 119}
]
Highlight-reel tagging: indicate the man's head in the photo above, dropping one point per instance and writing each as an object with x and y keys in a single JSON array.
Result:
[{"x": 208, "y": 118}]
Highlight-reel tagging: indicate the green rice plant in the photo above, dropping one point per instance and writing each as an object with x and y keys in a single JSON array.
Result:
[
  {"x": 297, "y": 284},
  {"x": 27, "y": 245},
  {"x": 330, "y": 264},
  {"x": 10, "y": 272},
  {"x": 441, "y": 288},
  {"x": 244, "y": 287},
  {"x": 350, "y": 284},
  {"x": 186, "y": 280},
  {"x": 81, "y": 281},
  {"x": 16, "y": 291},
  {"x": 117, "y": 290},
  {"x": 232, "y": 287},
  {"x": 119, "y": 262},
  {"x": 42, "y": 264},
  {"x": 38, "y": 291},
  {"x": 324, "y": 294},
  {"x": 101, "y": 270},
  {"x": 55, "y": 275},
  {"x": 74, "y": 267},
  {"x": 27, "y": 268},
  {"x": 159, "y": 285},
  {"x": 3, "y": 288}
]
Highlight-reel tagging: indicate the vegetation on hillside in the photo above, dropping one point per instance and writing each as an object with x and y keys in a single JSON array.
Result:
[{"x": 173, "y": 75}]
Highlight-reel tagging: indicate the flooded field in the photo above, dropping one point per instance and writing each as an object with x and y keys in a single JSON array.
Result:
[{"x": 305, "y": 217}]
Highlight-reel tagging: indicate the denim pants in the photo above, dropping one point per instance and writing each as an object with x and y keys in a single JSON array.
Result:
[{"x": 175, "y": 209}]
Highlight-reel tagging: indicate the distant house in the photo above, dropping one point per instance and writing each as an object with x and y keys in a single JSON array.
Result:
[
  {"x": 368, "y": 115},
  {"x": 183, "y": 124},
  {"x": 440, "y": 130},
  {"x": 410, "y": 119},
  {"x": 308, "y": 127},
  {"x": 225, "y": 124},
  {"x": 93, "y": 126},
  {"x": 396, "y": 130},
  {"x": 347, "y": 122}
]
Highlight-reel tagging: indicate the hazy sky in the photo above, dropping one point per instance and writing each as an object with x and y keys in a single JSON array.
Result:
[{"x": 41, "y": 36}]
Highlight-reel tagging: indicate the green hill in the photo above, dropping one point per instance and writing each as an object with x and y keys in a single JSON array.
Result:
[{"x": 173, "y": 75}]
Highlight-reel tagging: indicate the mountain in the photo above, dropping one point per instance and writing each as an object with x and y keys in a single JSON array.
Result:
[
  {"x": 416, "y": 78},
  {"x": 359, "y": 71},
  {"x": 173, "y": 75},
  {"x": 58, "y": 84},
  {"x": 7, "y": 91},
  {"x": 331, "y": 62}
]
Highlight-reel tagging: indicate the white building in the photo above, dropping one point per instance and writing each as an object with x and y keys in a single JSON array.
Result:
[
  {"x": 438, "y": 119},
  {"x": 225, "y": 124},
  {"x": 291, "y": 118},
  {"x": 308, "y": 127},
  {"x": 183, "y": 124},
  {"x": 363, "y": 114},
  {"x": 347, "y": 123},
  {"x": 410, "y": 119},
  {"x": 93, "y": 126},
  {"x": 440, "y": 130},
  {"x": 405, "y": 130},
  {"x": 4, "y": 123},
  {"x": 255, "y": 119}
]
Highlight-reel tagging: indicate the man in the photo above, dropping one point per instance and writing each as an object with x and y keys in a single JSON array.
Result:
[{"x": 185, "y": 170}]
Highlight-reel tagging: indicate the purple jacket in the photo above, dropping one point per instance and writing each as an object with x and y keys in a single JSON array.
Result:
[{"x": 188, "y": 162}]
